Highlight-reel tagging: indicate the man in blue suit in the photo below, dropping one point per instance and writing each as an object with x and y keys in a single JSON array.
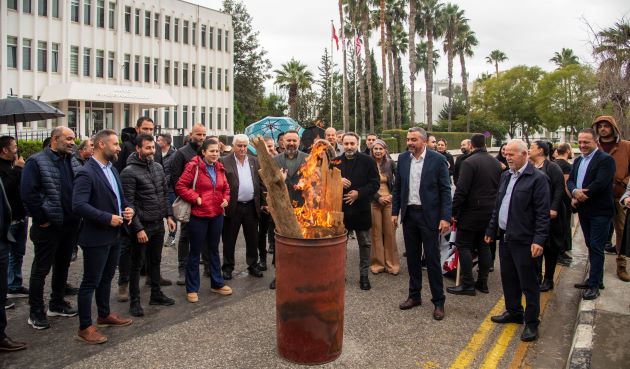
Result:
[
  {"x": 98, "y": 199},
  {"x": 422, "y": 197},
  {"x": 591, "y": 186}
]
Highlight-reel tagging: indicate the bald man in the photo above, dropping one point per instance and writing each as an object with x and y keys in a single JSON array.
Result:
[{"x": 331, "y": 136}]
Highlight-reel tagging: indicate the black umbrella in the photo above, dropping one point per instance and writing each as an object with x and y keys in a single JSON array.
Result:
[{"x": 15, "y": 109}]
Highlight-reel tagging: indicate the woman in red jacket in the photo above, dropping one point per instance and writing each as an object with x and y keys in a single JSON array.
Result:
[{"x": 209, "y": 197}]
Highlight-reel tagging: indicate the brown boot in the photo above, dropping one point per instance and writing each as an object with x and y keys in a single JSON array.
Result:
[
  {"x": 123, "y": 292},
  {"x": 621, "y": 269}
]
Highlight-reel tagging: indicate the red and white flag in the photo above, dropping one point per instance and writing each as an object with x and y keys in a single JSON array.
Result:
[{"x": 334, "y": 36}]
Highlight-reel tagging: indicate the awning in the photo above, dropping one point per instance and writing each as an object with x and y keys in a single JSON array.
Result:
[{"x": 149, "y": 97}]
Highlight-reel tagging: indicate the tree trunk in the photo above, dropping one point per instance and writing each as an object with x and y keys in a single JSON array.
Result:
[
  {"x": 359, "y": 72},
  {"x": 412, "y": 60},
  {"x": 346, "y": 107},
  {"x": 449, "y": 57},
  {"x": 429, "y": 79},
  {"x": 398, "y": 89},
  {"x": 496, "y": 68},
  {"x": 368, "y": 67},
  {"x": 392, "y": 80},
  {"x": 462, "y": 61},
  {"x": 293, "y": 102},
  {"x": 383, "y": 66}
]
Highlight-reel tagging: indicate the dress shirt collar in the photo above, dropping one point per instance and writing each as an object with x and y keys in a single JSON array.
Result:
[
  {"x": 590, "y": 156},
  {"x": 422, "y": 156},
  {"x": 520, "y": 171}
]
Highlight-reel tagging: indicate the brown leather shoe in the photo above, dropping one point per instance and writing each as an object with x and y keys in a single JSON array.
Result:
[
  {"x": 113, "y": 320},
  {"x": 91, "y": 335},
  {"x": 438, "y": 313},
  {"x": 410, "y": 303}
]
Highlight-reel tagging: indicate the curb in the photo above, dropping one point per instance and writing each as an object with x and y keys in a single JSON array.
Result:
[{"x": 582, "y": 346}]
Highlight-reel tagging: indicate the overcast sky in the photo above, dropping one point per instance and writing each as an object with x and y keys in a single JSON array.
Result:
[{"x": 529, "y": 32}]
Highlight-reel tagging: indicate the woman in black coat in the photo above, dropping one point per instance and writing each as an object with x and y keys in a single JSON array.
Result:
[{"x": 441, "y": 147}]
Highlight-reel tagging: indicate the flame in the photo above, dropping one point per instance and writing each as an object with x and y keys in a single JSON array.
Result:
[{"x": 313, "y": 213}]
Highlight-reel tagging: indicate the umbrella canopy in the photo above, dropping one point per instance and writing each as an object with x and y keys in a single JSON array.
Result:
[
  {"x": 15, "y": 109},
  {"x": 271, "y": 127}
]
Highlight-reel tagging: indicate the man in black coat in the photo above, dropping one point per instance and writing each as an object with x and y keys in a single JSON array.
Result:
[
  {"x": 466, "y": 149},
  {"x": 360, "y": 182},
  {"x": 473, "y": 203},
  {"x": 146, "y": 190},
  {"x": 144, "y": 125},
  {"x": 520, "y": 221}
]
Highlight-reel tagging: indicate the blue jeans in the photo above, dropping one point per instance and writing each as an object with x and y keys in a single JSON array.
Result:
[
  {"x": 596, "y": 233},
  {"x": 204, "y": 233},
  {"x": 16, "y": 255}
]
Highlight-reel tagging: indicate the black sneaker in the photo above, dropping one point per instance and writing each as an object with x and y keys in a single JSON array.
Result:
[
  {"x": 17, "y": 293},
  {"x": 38, "y": 321},
  {"x": 62, "y": 309},
  {"x": 610, "y": 249},
  {"x": 161, "y": 299},
  {"x": 135, "y": 309}
]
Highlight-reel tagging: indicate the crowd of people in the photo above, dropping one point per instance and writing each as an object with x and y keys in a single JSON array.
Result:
[{"x": 116, "y": 202}]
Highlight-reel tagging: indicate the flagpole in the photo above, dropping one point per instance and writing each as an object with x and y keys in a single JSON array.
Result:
[
  {"x": 355, "y": 88},
  {"x": 331, "y": 76}
]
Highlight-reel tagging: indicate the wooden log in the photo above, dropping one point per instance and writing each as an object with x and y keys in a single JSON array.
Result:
[{"x": 277, "y": 194}]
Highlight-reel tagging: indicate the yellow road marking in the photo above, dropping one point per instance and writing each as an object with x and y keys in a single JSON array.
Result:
[{"x": 498, "y": 350}]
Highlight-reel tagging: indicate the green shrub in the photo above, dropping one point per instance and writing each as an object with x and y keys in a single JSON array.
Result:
[
  {"x": 452, "y": 138},
  {"x": 392, "y": 144},
  {"x": 28, "y": 148}
]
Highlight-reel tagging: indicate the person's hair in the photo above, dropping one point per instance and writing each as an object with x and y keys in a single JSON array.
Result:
[
  {"x": 420, "y": 130},
  {"x": 290, "y": 131},
  {"x": 351, "y": 134},
  {"x": 564, "y": 148},
  {"x": 520, "y": 145},
  {"x": 240, "y": 137},
  {"x": 142, "y": 119},
  {"x": 371, "y": 134},
  {"x": 141, "y": 138},
  {"x": 83, "y": 144},
  {"x": 102, "y": 135},
  {"x": 544, "y": 145},
  {"x": 166, "y": 137},
  {"x": 269, "y": 138},
  {"x": 204, "y": 146},
  {"x": 57, "y": 132},
  {"x": 340, "y": 131},
  {"x": 443, "y": 140},
  {"x": 590, "y": 131},
  {"x": 46, "y": 142},
  {"x": 5, "y": 142},
  {"x": 478, "y": 141}
]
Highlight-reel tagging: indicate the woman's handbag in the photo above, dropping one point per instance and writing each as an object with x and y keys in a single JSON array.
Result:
[{"x": 181, "y": 207}]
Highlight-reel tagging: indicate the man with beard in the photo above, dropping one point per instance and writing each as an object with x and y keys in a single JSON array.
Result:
[
  {"x": 289, "y": 163},
  {"x": 144, "y": 125},
  {"x": 331, "y": 136},
  {"x": 98, "y": 199},
  {"x": 360, "y": 181},
  {"x": 431, "y": 142},
  {"x": 466, "y": 149},
  {"x": 369, "y": 142},
  {"x": 46, "y": 189},
  {"x": 178, "y": 163},
  {"x": 145, "y": 188},
  {"x": 611, "y": 143}
]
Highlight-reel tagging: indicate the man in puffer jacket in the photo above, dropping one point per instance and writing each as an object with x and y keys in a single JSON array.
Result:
[{"x": 145, "y": 187}]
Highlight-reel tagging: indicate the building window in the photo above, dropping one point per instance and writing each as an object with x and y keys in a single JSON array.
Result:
[
  {"x": 203, "y": 115},
  {"x": 186, "y": 32},
  {"x": 219, "y": 79},
  {"x": 87, "y": 12},
  {"x": 176, "y": 30},
  {"x": 147, "y": 24},
  {"x": 227, "y": 86},
  {"x": 147, "y": 69},
  {"x": 100, "y": 63},
  {"x": 167, "y": 28},
  {"x": 194, "y": 75},
  {"x": 127, "y": 67},
  {"x": 225, "y": 125},
  {"x": 211, "y": 38},
  {"x": 42, "y": 52},
  {"x": 100, "y": 13},
  {"x": 87, "y": 54},
  {"x": 194, "y": 114},
  {"x": 167, "y": 72},
  {"x": 12, "y": 45},
  {"x": 156, "y": 25},
  {"x": 112, "y": 15},
  {"x": 210, "y": 73},
  {"x": 175, "y": 117},
  {"x": 218, "y": 118},
  {"x": 185, "y": 75},
  {"x": 54, "y": 58},
  {"x": 136, "y": 68},
  {"x": 55, "y": 8},
  {"x": 176, "y": 74},
  {"x": 194, "y": 34},
  {"x": 227, "y": 38},
  {"x": 156, "y": 62},
  {"x": 219, "y": 38},
  {"x": 74, "y": 60},
  {"x": 110, "y": 64},
  {"x": 203, "y": 35},
  {"x": 42, "y": 8},
  {"x": 203, "y": 76},
  {"x": 127, "y": 19},
  {"x": 137, "y": 25},
  {"x": 185, "y": 116},
  {"x": 12, "y": 4},
  {"x": 26, "y": 6},
  {"x": 74, "y": 11},
  {"x": 26, "y": 54},
  {"x": 210, "y": 114}
]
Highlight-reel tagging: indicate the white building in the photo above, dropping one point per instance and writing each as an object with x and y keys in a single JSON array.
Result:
[
  {"x": 107, "y": 62},
  {"x": 420, "y": 105}
]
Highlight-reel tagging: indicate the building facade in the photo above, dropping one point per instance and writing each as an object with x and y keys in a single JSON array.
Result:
[{"x": 107, "y": 62}]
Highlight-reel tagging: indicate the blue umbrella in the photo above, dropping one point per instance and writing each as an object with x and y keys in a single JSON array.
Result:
[{"x": 271, "y": 127}]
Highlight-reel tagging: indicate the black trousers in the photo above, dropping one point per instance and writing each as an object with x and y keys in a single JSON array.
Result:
[
  {"x": 53, "y": 247},
  {"x": 152, "y": 250},
  {"x": 518, "y": 278},
  {"x": 4, "y": 264},
  {"x": 245, "y": 215},
  {"x": 418, "y": 234},
  {"x": 266, "y": 229},
  {"x": 468, "y": 241},
  {"x": 554, "y": 244}
]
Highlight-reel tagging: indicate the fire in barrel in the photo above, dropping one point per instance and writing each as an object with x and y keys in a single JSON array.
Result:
[{"x": 310, "y": 257}]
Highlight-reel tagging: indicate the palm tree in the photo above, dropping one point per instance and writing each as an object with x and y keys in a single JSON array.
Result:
[
  {"x": 429, "y": 26},
  {"x": 413, "y": 5},
  {"x": 466, "y": 40},
  {"x": 496, "y": 57},
  {"x": 564, "y": 57},
  {"x": 346, "y": 108},
  {"x": 453, "y": 20},
  {"x": 422, "y": 61},
  {"x": 383, "y": 65},
  {"x": 352, "y": 32},
  {"x": 295, "y": 78},
  {"x": 399, "y": 47},
  {"x": 394, "y": 15},
  {"x": 363, "y": 11}
]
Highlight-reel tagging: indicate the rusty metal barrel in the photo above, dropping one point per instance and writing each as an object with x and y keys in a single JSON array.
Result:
[{"x": 310, "y": 284}]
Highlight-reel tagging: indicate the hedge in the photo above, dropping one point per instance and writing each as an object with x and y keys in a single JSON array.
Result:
[
  {"x": 28, "y": 148},
  {"x": 392, "y": 144},
  {"x": 453, "y": 138}
]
